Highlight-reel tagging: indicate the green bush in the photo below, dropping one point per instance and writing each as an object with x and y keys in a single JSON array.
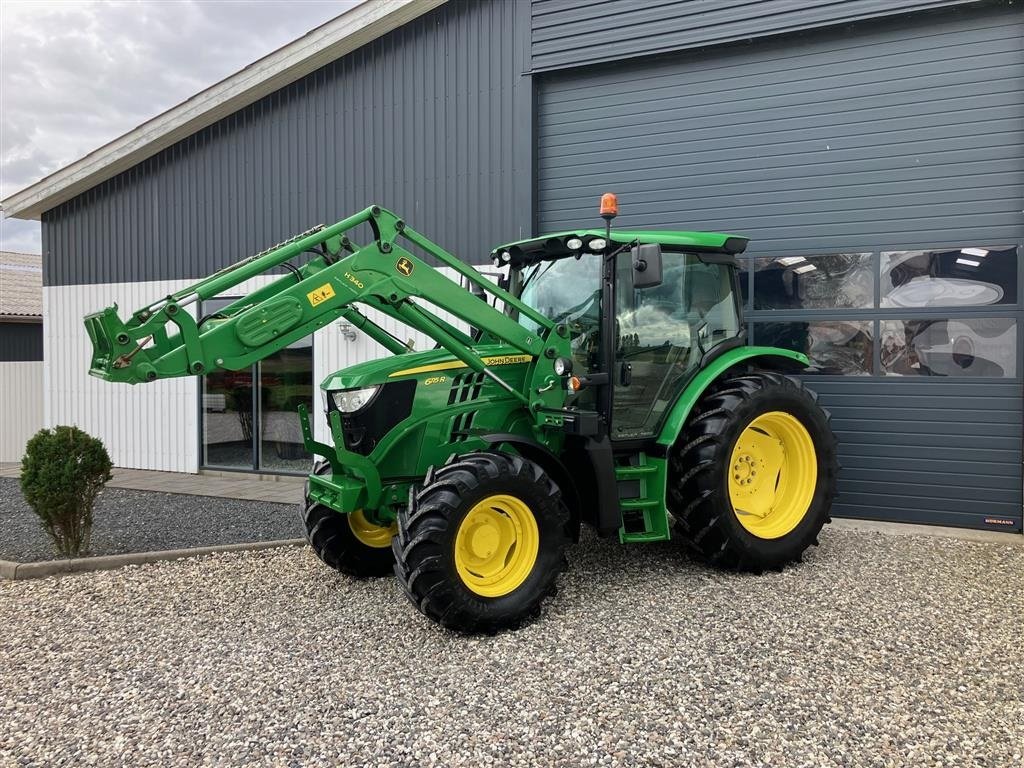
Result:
[{"x": 61, "y": 473}]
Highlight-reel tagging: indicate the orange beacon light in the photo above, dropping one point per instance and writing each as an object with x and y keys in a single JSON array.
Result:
[{"x": 609, "y": 205}]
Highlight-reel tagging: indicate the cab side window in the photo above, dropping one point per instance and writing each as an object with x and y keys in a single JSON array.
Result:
[{"x": 661, "y": 334}]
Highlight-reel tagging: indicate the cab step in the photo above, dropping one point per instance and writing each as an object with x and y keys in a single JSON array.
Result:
[{"x": 641, "y": 500}]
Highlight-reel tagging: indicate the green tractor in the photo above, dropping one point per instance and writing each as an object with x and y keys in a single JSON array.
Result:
[{"x": 603, "y": 379}]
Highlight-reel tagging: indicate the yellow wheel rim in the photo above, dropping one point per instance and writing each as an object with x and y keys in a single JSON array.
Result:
[
  {"x": 496, "y": 545},
  {"x": 772, "y": 475},
  {"x": 376, "y": 536}
]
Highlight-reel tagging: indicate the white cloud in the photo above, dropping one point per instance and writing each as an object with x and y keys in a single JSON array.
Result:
[{"x": 75, "y": 75}]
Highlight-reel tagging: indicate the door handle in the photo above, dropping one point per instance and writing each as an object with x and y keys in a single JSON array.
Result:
[{"x": 626, "y": 374}]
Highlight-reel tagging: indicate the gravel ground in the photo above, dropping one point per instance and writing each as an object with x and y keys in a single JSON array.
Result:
[
  {"x": 142, "y": 521},
  {"x": 877, "y": 651}
]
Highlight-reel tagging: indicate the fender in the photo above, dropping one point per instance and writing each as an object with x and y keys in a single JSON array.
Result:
[
  {"x": 550, "y": 463},
  {"x": 680, "y": 411}
]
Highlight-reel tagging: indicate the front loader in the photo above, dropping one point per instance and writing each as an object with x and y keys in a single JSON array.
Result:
[{"x": 604, "y": 380}]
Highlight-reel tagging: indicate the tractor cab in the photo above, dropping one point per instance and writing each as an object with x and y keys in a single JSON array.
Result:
[{"x": 676, "y": 302}]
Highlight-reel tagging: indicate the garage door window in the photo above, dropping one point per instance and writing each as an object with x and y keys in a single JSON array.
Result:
[
  {"x": 941, "y": 312},
  {"x": 839, "y": 347},
  {"x": 957, "y": 347},
  {"x": 827, "y": 281},
  {"x": 972, "y": 276}
]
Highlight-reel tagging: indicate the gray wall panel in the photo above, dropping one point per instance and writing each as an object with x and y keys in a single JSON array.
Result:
[
  {"x": 568, "y": 33},
  {"x": 902, "y": 135},
  {"x": 899, "y": 133},
  {"x": 21, "y": 342},
  {"x": 428, "y": 121},
  {"x": 908, "y": 455}
]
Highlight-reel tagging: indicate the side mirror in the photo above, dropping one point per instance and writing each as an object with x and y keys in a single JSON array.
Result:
[{"x": 647, "y": 271}]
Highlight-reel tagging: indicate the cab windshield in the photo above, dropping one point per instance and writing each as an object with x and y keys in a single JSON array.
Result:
[{"x": 565, "y": 291}]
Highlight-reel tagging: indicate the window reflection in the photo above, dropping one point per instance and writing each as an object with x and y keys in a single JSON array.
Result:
[
  {"x": 843, "y": 280},
  {"x": 227, "y": 419},
  {"x": 959, "y": 277},
  {"x": 286, "y": 382},
  {"x": 834, "y": 347},
  {"x": 955, "y": 347}
]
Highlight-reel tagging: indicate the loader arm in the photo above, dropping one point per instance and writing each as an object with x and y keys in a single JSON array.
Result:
[{"x": 163, "y": 340}]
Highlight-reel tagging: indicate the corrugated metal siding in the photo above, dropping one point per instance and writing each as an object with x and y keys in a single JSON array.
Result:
[
  {"x": 423, "y": 121},
  {"x": 927, "y": 451},
  {"x": 151, "y": 426},
  {"x": 902, "y": 135},
  {"x": 568, "y": 33},
  {"x": 21, "y": 341},
  {"x": 21, "y": 407}
]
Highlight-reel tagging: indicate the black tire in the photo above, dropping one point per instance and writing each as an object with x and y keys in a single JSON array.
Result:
[
  {"x": 698, "y": 495},
  {"x": 424, "y": 548},
  {"x": 334, "y": 542}
]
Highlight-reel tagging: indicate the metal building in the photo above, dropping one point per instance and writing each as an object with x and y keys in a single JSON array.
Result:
[
  {"x": 873, "y": 151},
  {"x": 21, "y": 352}
]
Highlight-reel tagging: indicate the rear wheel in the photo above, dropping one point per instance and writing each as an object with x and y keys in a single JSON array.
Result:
[
  {"x": 482, "y": 542},
  {"x": 351, "y": 544},
  {"x": 753, "y": 474}
]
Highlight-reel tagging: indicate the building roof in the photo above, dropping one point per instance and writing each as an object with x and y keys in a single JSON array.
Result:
[
  {"x": 21, "y": 285},
  {"x": 353, "y": 29}
]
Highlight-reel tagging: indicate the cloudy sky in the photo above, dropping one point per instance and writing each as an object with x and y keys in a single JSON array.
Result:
[{"x": 76, "y": 74}]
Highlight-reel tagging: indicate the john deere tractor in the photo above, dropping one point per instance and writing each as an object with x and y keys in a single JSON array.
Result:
[{"x": 603, "y": 379}]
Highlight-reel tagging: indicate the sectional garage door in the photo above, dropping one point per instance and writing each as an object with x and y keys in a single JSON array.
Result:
[{"x": 879, "y": 169}]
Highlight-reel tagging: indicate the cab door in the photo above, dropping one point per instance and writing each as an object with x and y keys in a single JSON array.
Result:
[{"x": 662, "y": 333}]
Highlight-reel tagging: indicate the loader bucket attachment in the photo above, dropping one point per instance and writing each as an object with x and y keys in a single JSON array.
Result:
[{"x": 112, "y": 348}]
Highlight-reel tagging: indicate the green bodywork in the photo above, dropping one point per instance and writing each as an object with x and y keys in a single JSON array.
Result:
[
  {"x": 668, "y": 238},
  {"x": 498, "y": 381}
]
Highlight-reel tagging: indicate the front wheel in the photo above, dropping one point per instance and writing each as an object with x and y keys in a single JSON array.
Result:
[
  {"x": 753, "y": 475},
  {"x": 482, "y": 542},
  {"x": 351, "y": 543}
]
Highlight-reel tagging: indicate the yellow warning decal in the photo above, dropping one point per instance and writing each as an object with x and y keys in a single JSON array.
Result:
[
  {"x": 320, "y": 295},
  {"x": 455, "y": 364}
]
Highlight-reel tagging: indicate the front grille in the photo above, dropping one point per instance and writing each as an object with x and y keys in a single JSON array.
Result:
[{"x": 366, "y": 427}]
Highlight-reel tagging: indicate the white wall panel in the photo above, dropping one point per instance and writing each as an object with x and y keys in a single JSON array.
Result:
[
  {"x": 145, "y": 426},
  {"x": 21, "y": 406}
]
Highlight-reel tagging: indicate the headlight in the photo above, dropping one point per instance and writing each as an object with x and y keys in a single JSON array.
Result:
[
  {"x": 563, "y": 366},
  {"x": 597, "y": 244},
  {"x": 351, "y": 400},
  {"x": 573, "y": 243}
]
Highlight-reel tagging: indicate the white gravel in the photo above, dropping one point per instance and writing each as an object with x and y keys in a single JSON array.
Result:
[{"x": 877, "y": 651}]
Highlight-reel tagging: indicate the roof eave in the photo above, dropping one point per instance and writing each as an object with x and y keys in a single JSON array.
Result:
[
  {"x": 21, "y": 318},
  {"x": 351, "y": 30}
]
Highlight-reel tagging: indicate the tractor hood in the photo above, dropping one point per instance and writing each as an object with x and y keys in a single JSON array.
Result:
[
  {"x": 413, "y": 365},
  {"x": 522, "y": 253}
]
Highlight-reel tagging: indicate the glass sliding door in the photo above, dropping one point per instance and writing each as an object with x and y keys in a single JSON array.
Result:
[
  {"x": 285, "y": 383},
  {"x": 228, "y": 419},
  {"x": 250, "y": 417}
]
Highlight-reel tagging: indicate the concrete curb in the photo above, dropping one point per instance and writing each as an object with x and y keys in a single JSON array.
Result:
[{"x": 15, "y": 571}]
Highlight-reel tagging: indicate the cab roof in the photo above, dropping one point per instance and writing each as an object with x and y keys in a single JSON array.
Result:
[{"x": 522, "y": 253}]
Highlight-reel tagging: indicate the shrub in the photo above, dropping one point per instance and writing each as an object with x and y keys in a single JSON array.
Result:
[{"x": 61, "y": 473}]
